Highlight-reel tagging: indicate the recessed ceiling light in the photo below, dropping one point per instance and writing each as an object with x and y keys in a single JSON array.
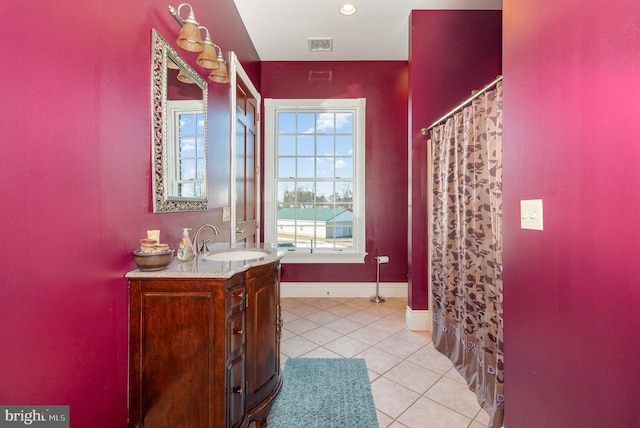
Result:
[{"x": 348, "y": 9}]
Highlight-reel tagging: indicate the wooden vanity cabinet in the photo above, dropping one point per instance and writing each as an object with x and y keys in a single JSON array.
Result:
[{"x": 190, "y": 362}]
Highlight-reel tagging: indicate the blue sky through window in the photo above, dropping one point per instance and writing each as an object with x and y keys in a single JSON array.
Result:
[{"x": 315, "y": 145}]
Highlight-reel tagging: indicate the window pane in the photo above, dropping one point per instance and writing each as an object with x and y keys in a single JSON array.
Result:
[
  {"x": 200, "y": 120},
  {"x": 324, "y": 145},
  {"x": 305, "y": 145},
  {"x": 305, "y": 123},
  {"x": 325, "y": 123},
  {"x": 303, "y": 241},
  {"x": 186, "y": 190},
  {"x": 344, "y": 123},
  {"x": 200, "y": 146},
  {"x": 286, "y": 196},
  {"x": 324, "y": 168},
  {"x": 344, "y": 145},
  {"x": 286, "y": 145},
  {"x": 286, "y": 123},
  {"x": 305, "y": 195},
  {"x": 187, "y": 147},
  {"x": 187, "y": 169},
  {"x": 200, "y": 168},
  {"x": 286, "y": 232},
  {"x": 306, "y": 167},
  {"x": 343, "y": 226},
  {"x": 344, "y": 193},
  {"x": 324, "y": 192},
  {"x": 286, "y": 167},
  {"x": 347, "y": 206},
  {"x": 344, "y": 167},
  {"x": 199, "y": 192},
  {"x": 187, "y": 124}
]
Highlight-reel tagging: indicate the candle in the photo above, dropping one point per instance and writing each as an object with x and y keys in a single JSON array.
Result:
[{"x": 154, "y": 234}]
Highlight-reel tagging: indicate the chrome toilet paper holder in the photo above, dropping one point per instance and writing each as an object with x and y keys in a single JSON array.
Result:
[{"x": 380, "y": 260}]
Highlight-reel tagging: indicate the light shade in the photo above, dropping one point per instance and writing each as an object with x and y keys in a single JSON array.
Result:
[
  {"x": 208, "y": 57},
  {"x": 220, "y": 74},
  {"x": 172, "y": 65},
  {"x": 184, "y": 78},
  {"x": 190, "y": 38}
]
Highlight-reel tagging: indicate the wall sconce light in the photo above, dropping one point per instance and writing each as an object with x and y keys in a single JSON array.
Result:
[
  {"x": 208, "y": 57},
  {"x": 190, "y": 39},
  {"x": 220, "y": 75}
]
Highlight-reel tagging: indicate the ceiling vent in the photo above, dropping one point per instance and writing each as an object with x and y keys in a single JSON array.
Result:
[{"x": 324, "y": 44}]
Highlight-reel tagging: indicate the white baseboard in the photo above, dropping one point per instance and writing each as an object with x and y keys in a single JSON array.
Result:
[
  {"x": 343, "y": 289},
  {"x": 418, "y": 320}
]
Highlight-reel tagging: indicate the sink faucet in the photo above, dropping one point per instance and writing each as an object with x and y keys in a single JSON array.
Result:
[{"x": 196, "y": 237}]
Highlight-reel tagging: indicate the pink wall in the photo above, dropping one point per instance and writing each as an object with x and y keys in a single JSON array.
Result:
[
  {"x": 76, "y": 192},
  {"x": 384, "y": 84},
  {"x": 451, "y": 53},
  {"x": 572, "y": 138}
]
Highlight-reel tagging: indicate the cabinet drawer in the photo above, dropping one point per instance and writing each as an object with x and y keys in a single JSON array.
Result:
[
  {"x": 236, "y": 297},
  {"x": 235, "y": 392},
  {"x": 236, "y": 334}
]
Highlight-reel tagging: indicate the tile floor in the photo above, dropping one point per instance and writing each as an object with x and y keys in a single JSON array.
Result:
[{"x": 413, "y": 385}]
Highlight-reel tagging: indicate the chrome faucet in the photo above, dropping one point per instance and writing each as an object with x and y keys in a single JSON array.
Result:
[{"x": 196, "y": 238}]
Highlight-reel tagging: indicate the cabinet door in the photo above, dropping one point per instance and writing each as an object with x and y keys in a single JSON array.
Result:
[
  {"x": 174, "y": 345},
  {"x": 263, "y": 350}
]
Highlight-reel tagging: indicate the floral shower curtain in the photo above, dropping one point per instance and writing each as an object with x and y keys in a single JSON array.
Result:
[{"x": 466, "y": 247}]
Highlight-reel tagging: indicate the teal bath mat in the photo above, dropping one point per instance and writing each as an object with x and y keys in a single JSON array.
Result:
[{"x": 324, "y": 393}]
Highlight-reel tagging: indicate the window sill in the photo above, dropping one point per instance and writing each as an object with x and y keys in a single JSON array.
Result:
[{"x": 292, "y": 257}]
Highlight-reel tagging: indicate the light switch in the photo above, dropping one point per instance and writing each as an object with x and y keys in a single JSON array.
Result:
[
  {"x": 531, "y": 214},
  {"x": 226, "y": 213}
]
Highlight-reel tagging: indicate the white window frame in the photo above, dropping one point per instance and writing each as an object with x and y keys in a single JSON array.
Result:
[{"x": 357, "y": 253}]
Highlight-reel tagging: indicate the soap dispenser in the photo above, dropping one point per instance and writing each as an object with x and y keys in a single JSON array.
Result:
[{"x": 185, "y": 249}]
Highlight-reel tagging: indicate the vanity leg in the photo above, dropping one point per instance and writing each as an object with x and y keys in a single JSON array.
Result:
[{"x": 261, "y": 423}]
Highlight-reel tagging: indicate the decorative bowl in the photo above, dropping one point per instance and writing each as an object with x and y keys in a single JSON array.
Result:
[{"x": 148, "y": 262}]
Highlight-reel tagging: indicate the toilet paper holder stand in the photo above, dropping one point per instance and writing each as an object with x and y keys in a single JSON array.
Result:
[{"x": 380, "y": 260}]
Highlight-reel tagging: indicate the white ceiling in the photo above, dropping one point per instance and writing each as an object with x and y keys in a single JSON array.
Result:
[{"x": 379, "y": 30}]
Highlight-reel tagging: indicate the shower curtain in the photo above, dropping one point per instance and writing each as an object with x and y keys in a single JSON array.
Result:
[{"x": 466, "y": 247}]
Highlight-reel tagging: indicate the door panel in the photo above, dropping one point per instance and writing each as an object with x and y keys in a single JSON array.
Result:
[{"x": 246, "y": 164}]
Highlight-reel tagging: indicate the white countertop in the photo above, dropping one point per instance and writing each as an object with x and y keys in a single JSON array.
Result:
[{"x": 200, "y": 267}]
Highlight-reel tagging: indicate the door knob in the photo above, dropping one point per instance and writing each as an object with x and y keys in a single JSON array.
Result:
[{"x": 239, "y": 231}]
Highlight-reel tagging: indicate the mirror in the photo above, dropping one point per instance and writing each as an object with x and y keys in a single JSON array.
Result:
[{"x": 179, "y": 131}]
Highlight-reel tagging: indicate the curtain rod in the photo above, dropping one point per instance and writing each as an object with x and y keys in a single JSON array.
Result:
[{"x": 475, "y": 95}]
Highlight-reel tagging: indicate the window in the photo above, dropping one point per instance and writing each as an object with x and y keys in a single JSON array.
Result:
[
  {"x": 314, "y": 179},
  {"x": 186, "y": 165}
]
